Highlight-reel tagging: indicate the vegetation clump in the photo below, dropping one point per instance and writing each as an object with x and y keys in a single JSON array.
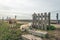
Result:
[
  {"x": 8, "y": 33},
  {"x": 51, "y": 27}
]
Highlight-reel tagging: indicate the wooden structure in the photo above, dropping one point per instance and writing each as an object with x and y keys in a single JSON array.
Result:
[
  {"x": 30, "y": 37},
  {"x": 57, "y": 17},
  {"x": 38, "y": 33},
  {"x": 41, "y": 20}
]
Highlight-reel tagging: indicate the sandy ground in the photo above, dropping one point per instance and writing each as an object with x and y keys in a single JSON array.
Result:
[{"x": 56, "y": 25}]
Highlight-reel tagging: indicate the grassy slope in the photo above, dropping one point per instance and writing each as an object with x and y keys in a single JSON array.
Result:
[{"x": 7, "y": 33}]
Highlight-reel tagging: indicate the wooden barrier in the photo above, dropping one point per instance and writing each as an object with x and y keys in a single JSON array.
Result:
[{"x": 41, "y": 20}]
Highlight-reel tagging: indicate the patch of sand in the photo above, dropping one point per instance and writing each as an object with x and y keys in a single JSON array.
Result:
[{"x": 56, "y": 25}]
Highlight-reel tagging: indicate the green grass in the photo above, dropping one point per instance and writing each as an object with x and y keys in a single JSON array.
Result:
[
  {"x": 51, "y": 27},
  {"x": 7, "y": 33}
]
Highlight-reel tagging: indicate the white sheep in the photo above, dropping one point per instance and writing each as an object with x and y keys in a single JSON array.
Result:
[{"x": 25, "y": 27}]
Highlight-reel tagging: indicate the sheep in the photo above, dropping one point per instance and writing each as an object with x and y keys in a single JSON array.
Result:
[{"x": 25, "y": 27}]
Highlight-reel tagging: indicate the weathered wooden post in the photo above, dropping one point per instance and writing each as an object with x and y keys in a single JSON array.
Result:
[
  {"x": 57, "y": 18},
  {"x": 39, "y": 23},
  {"x": 34, "y": 20},
  {"x": 49, "y": 19},
  {"x": 15, "y": 16},
  {"x": 41, "y": 20},
  {"x": 15, "y": 20},
  {"x": 45, "y": 21}
]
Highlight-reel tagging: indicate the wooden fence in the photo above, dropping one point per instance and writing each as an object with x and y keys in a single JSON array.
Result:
[{"x": 41, "y": 20}]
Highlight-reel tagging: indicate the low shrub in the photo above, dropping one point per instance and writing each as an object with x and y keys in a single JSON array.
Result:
[{"x": 51, "y": 27}]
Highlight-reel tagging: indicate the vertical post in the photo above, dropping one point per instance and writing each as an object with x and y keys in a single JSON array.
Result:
[
  {"x": 41, "y": 20},
  {"x": 34, "y": 20},
  {"x": 15, "y": 20},
  {"x": 49, "y": 19},
  {"x": 57, "y": 18},
  {"x": 45, "y": 21}
]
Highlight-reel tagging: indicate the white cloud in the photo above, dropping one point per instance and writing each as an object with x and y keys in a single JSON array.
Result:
[{"x": 25, "y": 8}]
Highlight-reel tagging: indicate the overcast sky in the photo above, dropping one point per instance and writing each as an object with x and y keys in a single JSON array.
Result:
[{"x": 25, "y": 8}]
